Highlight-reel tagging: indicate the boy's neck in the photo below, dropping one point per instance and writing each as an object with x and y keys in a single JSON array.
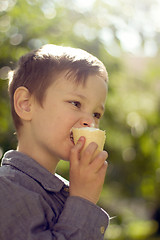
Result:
[
  {"x": 47, "y": 163},
  {"x": 26, "y": 146}
]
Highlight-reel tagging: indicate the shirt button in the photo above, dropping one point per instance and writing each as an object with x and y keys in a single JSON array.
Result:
[
  {"x": 66, "y": 189},
  {"x": 102, "y": 229}
]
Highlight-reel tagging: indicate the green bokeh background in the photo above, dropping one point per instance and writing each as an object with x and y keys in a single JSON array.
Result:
[{"x": 125, "y": 35}]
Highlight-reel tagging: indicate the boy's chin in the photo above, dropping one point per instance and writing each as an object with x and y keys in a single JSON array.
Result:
[{"x": 65, "y": 158}]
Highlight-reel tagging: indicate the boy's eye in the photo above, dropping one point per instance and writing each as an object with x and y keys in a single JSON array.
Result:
[
  {"x": 97, "y": 115},
  {"x": 76, "y": 104}
]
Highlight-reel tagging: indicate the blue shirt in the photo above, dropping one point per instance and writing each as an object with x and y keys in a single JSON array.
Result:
[{"x": 35, "y": 205}]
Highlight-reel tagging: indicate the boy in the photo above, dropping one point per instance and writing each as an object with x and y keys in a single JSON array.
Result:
[{"x": 52, "y": 90}]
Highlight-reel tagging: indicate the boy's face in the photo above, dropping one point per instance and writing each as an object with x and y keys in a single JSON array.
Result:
[{"x": 66, "y": 105}]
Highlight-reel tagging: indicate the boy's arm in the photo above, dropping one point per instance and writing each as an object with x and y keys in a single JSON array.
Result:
[
  {"x": 81, "y": 220},
  {"x": 26, "y": 215},
  {"x": 86, "y": 181}
]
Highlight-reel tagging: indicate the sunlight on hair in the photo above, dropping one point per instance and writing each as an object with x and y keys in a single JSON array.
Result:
[
  {"x": 77, "y": 53},
  {"x": 10, "y": 76}
]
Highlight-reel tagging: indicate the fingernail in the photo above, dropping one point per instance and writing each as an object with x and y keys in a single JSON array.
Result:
[
  {"x": 104, "y": 154},
  {"x": 81, "y": 139}
]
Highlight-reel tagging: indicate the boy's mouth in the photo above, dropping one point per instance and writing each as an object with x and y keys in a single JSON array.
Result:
[{"x": 71, "y": 137}]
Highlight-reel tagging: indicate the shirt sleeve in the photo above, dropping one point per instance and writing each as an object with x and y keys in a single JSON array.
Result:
[
  {"x": 24, "y": 215},
  {"x": 82, "y": 220}
]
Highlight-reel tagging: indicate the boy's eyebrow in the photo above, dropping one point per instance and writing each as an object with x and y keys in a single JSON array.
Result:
[{"x": 79, "y": 95}]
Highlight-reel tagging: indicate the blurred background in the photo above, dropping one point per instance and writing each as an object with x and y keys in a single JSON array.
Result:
[{"x": 125, "y": 35}]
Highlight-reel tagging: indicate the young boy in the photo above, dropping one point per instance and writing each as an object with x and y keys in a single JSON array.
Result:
[{"x": 52, "y": 90}]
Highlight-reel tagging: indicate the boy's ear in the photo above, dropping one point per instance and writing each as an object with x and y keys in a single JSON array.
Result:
[{"x": 23, "y": 103}]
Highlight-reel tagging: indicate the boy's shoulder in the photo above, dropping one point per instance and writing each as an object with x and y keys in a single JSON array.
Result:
[
  {"x": 24, "y": 171},
  {"x": 23, "y": 182}
]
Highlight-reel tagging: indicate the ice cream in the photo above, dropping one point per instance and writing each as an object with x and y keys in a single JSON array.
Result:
[{"x": 91, "y": 135}]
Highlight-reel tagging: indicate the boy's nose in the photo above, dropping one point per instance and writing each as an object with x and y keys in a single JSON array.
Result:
[{"x": 87, "y": 122}]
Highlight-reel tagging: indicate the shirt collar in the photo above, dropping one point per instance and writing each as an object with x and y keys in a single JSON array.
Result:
[{"x": 33, "y": 169}]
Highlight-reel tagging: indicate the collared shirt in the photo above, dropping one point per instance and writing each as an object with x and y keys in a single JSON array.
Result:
[{"x": 35, "y": 205}]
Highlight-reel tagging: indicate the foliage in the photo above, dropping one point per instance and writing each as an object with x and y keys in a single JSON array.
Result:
[{"x": 132, "y": 123}]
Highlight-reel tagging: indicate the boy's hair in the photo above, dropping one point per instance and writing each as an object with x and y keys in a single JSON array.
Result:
[{"x": 38, "y": 69}]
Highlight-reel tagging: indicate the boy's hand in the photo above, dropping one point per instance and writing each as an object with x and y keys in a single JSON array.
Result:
[{"x": 87, "y": 174}]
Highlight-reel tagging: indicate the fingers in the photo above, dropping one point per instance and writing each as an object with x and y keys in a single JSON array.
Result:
[
  {"x": 86, "y": 158},
  {"x": 88, "y": 154},
  {"x": 75, "y": 151},
  {"x": 87, "y": 171},
  {"x": 99, "y": 162}
]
